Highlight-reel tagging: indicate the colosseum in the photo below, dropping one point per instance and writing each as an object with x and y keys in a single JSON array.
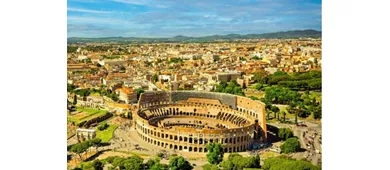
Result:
[{"x": 188, "y": 120}]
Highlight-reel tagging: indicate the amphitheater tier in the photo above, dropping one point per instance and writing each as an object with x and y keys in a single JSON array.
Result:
[{"x": 188, "y": 120}]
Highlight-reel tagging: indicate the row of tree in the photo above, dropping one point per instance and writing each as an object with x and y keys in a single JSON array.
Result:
[
  {"x": 136, "y": 163},
  {"x": 284, "y": 162},
  {"x": 214, "y": 156},
  {"x": 82, "y": 147},
  {"x": 296, "y": 81}
]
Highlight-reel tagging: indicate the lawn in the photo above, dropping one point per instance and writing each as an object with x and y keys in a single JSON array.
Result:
[
  {"x": 88, "y": 114},
  {"x": 106, "y": 134},
  {"x": 269, "y": 154}
]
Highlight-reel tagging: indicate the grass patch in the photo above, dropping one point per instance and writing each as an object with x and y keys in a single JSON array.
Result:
[
  {"x": 106, "y": 134},
  {"x": 269, "y": 155},
  {"x": 89, "y": 110},
  {"x": 90, "y": 114}
]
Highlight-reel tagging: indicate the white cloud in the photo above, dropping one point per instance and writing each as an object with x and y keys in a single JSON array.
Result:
[
  {"x": 142, "y": 2},
  {"x": 88, "y": 10},
  {"x": 136, "y": 2},
  {"x": 265, "y": 21},
  {"x": 225, "y": 19}
]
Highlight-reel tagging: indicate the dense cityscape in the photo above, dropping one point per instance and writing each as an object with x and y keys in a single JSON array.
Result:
[{"x": 113, "y": 86}]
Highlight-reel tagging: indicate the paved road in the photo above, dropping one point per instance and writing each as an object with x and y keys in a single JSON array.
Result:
[{"x": 298, "y": 131}]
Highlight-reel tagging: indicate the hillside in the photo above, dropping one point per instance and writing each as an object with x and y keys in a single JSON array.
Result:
[{"x": 180, "y": 38}]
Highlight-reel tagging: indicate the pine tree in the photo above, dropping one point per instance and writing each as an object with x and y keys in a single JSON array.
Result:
[{"x": 75, "y": 99}]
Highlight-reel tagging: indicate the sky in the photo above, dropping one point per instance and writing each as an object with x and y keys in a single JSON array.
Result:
[{"x": 169, "y": 18}]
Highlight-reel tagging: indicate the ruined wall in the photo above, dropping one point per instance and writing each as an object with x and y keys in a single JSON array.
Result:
[
  {"x": 223, "y": 98},
  {"x": 150, "y": 97},
  {"x": 255, "y": 109}
]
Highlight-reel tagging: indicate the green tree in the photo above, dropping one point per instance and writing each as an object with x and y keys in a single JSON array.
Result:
[
  {"x": 259, "y": 86},
  {"x": 257, "y": 161},
  {"x": 285, "y": 133},
  {"x": 154, "y": 164},
  {"x": 283, "y": 162},
  {"x": 317, "y": 112},
  {"x": 260, "y": 76},
  {"x": 155, "y": 77},
  {"x": 291, "y": 145},
  {"x": 179, "y": 163},
  {"x": 210, "y": 167},
  {"x": 74, "y": 99},
  {"x": 97, "y": 165},
  {"x": 70, "y": 87},
  {"x": 80, "y": 148},
  {"x": 215, "y": 153},
  {"x": 227, "y": 164},
  {"x": 139, "y": 92},
  {"x": 133, "y": 163},
  {"x": 95, "y": 142},
  {"x": 238, "y": 162}
]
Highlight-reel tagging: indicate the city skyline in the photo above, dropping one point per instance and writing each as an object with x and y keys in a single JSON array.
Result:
[{"x": 132, "y": 18}]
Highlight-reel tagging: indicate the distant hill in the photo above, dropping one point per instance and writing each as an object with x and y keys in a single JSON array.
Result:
[{"x": 283, "y": 35}]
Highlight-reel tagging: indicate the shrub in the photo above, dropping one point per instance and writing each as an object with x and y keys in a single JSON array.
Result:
[
  {"x": 103, "y": 126},
  {"x": 81, "y": 123},
  {"x": 291, "y": 145},
  {"x": 285, "y": 133},
  {"x": 210, "y": 167}
]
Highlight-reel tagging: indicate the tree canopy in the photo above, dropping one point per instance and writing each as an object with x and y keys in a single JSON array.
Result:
[
  {"x": 285, "y": 133},
  {"x": 215, "y": 153},
  {"x": 291, "y": 145},
  {"x": 231, "y": 88},
  {"x": 236, "y": 161},
  {"x": 283, "y": 162},
  {"x": 179, "y": 163},
  {"x": 280, "y": 95}
]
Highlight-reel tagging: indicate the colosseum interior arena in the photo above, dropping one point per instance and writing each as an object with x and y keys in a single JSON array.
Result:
[{"x": 188, "y": 120}]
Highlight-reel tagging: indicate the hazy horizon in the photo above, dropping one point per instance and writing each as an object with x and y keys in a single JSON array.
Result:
[{"x": 188, "y": 36}]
